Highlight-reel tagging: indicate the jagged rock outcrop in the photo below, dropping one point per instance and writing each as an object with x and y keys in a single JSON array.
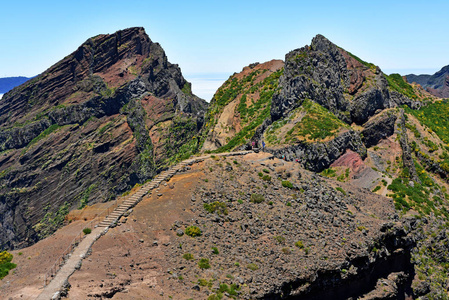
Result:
[
  {"x": 88, "y": 128},
  {"x": 378, "y": 127},
  {"x": 407, "y": 158},
  {"x": 314, "y": 72},
  {"x": 319, "y": 156},
  {"x": 324, "y": 73}
]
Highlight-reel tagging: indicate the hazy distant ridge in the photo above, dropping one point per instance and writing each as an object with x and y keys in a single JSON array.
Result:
[
  {"x": 437, "y": 84},
  {"x": 8, "y": 83}
]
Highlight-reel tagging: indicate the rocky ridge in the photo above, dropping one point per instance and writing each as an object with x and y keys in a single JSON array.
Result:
[
  {"x": 104, "y": 114},
  {"x": 328, "y": 75}
]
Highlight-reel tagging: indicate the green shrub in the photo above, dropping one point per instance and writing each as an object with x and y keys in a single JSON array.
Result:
[
  {"x": 266, "y": 177},
  {"x": 299, "y": 244},
  {"x": 218, "y": 207},
  {"x": 204, "y": 263},
  {"x": 341, "y": 190},
  {"x": 287, "y": 184},
  {"x": 193, "y": 231},
  {"x": 376, "y": 189},
  {"x": 5, "y": 263},
  {"x": 231, "y": 290},
  {"x": 188, "y": 256},
  {"x": 87, "y": 230},
  {"x": 329, "y": 172},
  {"x": 252, "y": 266},
  {"x": 204, "y": 282},
  {"x": 215, "y": 250},
  {"x": 257, "y": 198},
  {"x": 266, "y": 170}
]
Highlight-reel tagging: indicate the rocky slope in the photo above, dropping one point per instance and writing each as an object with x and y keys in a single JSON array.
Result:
[
  {"x": 269, "y": 230},
  {"x": 313, "y": 99},
  {"x": 104, "y": 118},
  {"x": 436, "y": 84}
]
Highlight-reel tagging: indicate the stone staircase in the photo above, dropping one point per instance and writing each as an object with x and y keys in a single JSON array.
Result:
[
  {"x": 60, "y": 280},
  {"x": 137, "y": 197}
]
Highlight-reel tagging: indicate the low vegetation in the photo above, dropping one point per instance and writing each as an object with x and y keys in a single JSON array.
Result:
[
  {"x": 5, "y": 263},
  {"x": 51, "y": 220},
  {"x": 257, "y": 198},
  {"x": 252, "y": 114},
  {"x": 204, "y": 263},
  {"x": 435, "y": 116},
  {"x": 397, "y": 83},
  {"x": 216, "y": 207},
  {"x": 315, "y": 123},
  {"x": 193, "y": 231}
]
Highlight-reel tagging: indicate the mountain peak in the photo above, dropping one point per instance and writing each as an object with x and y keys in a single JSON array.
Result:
[{"x": 121, "y": 84}]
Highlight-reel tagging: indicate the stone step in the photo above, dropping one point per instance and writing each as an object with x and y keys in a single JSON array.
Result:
[{"x": 129, "y": 202}]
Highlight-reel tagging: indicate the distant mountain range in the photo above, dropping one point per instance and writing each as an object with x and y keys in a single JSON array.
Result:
[
  {"x": 437, "y": 84},
  {"x": 8, "y": 83}
]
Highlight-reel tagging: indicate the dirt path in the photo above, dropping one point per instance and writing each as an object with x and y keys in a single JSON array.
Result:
[{"x": 60, "y": 281}]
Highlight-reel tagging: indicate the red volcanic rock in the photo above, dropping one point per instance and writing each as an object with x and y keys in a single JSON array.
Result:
[
  {"x": 351, "y": 160},
  {"x": 355, "y": 69}
]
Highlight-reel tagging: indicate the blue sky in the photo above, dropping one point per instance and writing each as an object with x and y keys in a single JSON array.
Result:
[{"x": 212, "y": 39}]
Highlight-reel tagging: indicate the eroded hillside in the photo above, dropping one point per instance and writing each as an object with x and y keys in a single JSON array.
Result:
[{"x": 104, "y": 118}]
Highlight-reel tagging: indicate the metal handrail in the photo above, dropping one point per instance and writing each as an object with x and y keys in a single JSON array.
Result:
[{"x": 78, "y": 238}]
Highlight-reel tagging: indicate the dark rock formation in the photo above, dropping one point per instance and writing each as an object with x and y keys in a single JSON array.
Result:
[
  {"x": 21, "y": 136},
  {"x": 378, "y": 127},
  {"x": 407, "y": 159},
  {"x": 351, "y": 89},
  {"x": 319, "y": 156},
  {"x": 87, "y": 129},
  {"x": 316, "y": 73}
]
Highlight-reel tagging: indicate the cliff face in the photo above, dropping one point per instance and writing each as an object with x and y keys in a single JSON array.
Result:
[{"x": 90, "y": 127}]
